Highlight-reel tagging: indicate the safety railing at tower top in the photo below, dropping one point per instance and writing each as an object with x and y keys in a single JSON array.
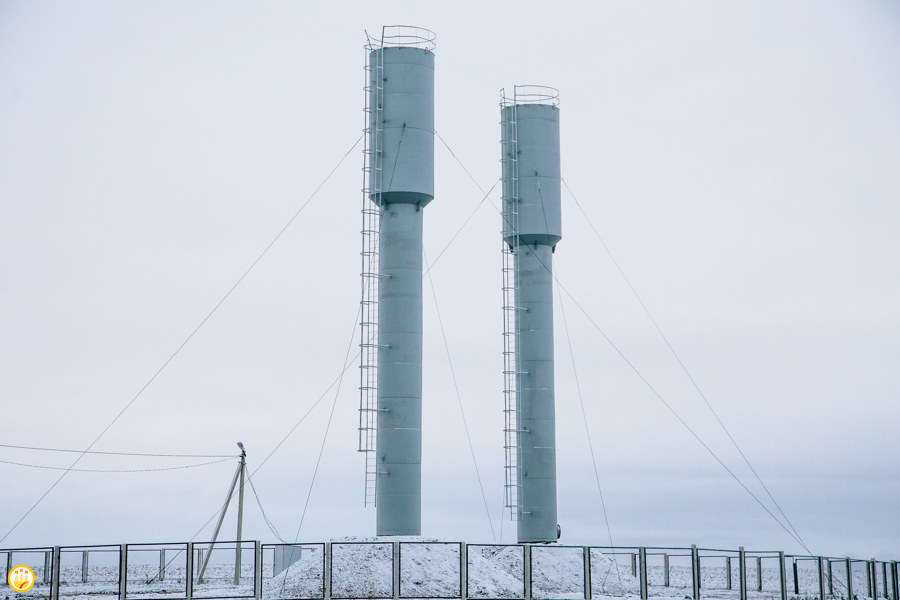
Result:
[
  {"x": 408, "y": 36},
  {"x": 530, "y": 94},
  {"x": 394, "y": 570}
]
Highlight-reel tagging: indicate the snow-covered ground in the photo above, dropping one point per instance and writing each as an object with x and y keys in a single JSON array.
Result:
[{"x": 362, "y": 568}]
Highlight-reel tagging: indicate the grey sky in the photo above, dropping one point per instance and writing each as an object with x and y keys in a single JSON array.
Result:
[{"x": 740, "y": 159}]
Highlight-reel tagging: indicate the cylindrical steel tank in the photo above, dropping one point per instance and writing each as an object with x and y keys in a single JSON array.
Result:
[
  {"x": 531, "y": 131},
  {"x": 401, "y": 130},
  {"x": 405, "y": 107},
  {"x": 531, "y": 229}
]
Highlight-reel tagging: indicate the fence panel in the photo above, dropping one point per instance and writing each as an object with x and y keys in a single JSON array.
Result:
[
  {"x": 669, "y": 573},
  {"x": 807, "y": 578},
  {"x": 146, "y": 577},
  {"x": 612, "y": 573},
  {"x": 293, "y": 571},
  {"x": 838, "y": 577},
  {"x": 718, "y": 572},
  {"x": 557, "y": 572},
  {"x": 362, "y": 570},
  {"x": 429, "y": 570},
  {"x": 218, "y": 578},
  {"x": 860, "y": 578},
  {"x": 89, "y": 570},
  {"x": 38, "y": 560},
  {"x": 496, "y": 571},
  {"x": 763, "y": 575}
]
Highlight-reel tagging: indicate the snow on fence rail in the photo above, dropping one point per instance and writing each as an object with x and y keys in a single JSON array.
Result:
[{"x": 394, "y": 570}]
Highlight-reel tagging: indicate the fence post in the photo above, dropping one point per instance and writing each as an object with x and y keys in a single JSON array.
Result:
[
  {"x": 695, "y": 570},
  {"x": 587, "y": 573},
  {"x": 759, "y": 573},
  {"x": 642, "y": 560},
  {"x": 634, "y": 565},
  {"x": 257, "y": 570},
  {"x": 327, "y": 575},
  {"x": 830, "y": 578},
  {"x": 666, "y": 568},
  {"x": 742, "y": 572},
  {"x": 894, "y": 582},
  {"x": 189, "y": 572},
  {"x": 849, "y": 578},
  {"x": 728, "y": 572},
  {"x": 821, "y": 566},
  {"x": 395, "y": 565},
  {"x": 699, "y": 572},
  {"x": 9, "y": 564},
  {"x": 463, "y": 571},
  {"x": 870, "y": 583},
  {"x": 782, "y": 576},
  {"x": 54, "y": 576},
  {"x": 123, "y": 571},
  {"x": 47, "y": 565},
  {"x": 527, "y": 564},
  {"x": 85, "y": 567},
  {"x": 796, "y": 578},
  {"x": 884, "y": 578}
]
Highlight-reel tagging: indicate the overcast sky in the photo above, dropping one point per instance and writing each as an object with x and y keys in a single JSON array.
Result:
[{"x": 741, "y": 160}]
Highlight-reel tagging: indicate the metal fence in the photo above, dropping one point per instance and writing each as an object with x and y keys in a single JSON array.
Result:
[{"x": 392, "y": 570}]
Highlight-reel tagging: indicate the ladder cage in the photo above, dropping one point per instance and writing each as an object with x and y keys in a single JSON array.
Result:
[
  {"x": 511, "y": 384},
  {"x": 371, "y": 227}
]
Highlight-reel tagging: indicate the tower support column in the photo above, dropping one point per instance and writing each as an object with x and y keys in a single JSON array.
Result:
[
  {"x": 399, "y": 436},
  {"x": 537, "y": 421}
]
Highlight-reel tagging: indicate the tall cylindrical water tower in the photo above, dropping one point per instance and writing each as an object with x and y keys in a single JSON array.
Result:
[
  {"x": 399, "y": 184},
  {"x": 531, "y": 230}
]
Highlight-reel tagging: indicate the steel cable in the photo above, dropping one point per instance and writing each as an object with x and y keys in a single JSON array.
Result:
[
  {"x": 587, "y": 430},
  {"x": 312, "y": 482},
  {"x": 459, "y": 403},
  {"x": 275, "y": 449},
  {"x": 681, "y": 363},
  {"x": 184, "y": 343},
  {"x": 265, "y": 517},
  {"x": 642, "y": 378},
  {"x": 180, "y": 467},
  {"x": 119, "y": 453},
  {"x": 461, "y": 227},
  {"x": 678, "y": 417},
  {"x": 290, "y": 432}
]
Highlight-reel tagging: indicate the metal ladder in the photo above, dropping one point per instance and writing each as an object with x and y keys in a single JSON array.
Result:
[
  {"x": 511, "y": 447},
  {"x": 371, "y": 226}
]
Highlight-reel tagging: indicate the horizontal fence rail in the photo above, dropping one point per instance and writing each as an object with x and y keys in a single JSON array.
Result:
[{"x": 394, "y": 570}]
